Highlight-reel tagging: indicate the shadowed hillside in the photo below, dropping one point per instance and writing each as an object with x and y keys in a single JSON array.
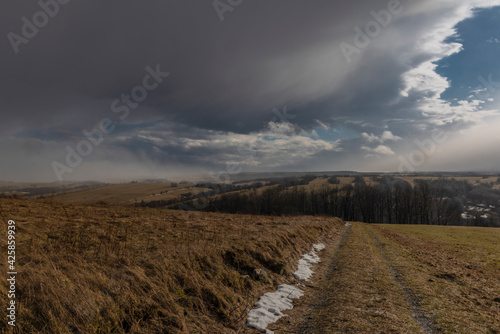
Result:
[{"x": 112, "y": 269}]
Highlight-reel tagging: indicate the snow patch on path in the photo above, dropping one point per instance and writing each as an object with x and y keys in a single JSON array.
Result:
[
  {"x": 268, "y": 309},
  {"x": 304, "y": 271}
]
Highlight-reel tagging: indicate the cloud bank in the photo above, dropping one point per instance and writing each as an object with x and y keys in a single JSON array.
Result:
[{"x": 267, "y": 88}]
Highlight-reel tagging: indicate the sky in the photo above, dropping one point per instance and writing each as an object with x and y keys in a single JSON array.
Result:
[{"x": 96, "y": 90}]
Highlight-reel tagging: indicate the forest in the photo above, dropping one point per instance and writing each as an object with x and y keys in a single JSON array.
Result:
[{"x": 388, "y": 200}]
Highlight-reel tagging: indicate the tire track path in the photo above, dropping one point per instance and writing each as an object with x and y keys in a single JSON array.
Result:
[
  {"x": 308, "y": 327},
  {"x": 354, "y": 291},
  {"x": 425, "y": 322}
]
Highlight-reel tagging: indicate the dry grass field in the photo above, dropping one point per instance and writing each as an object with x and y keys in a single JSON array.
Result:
[
  {"x": 344, "y": 180},
  {"x": 318, "y": 183},
  {"x": 127, "y": 193},
  {"x": 89, "y": 263},
  {"x": 130, "y": 193},
  {"x": 121, "y": 269},
  {"x": 19, "y": 187},
  {"x": 474, "y": 180}
]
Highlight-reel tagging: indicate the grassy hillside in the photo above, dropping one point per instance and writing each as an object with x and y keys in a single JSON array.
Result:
[
  {"x": 118, "y": 269},
  {"x": 127, "y": 193},
  {"x": 471, "y": 179},
  {"x": 42, "y": 189}
]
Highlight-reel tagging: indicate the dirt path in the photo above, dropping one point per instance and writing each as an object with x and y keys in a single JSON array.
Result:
[
  {"x": 402, "y": 279},
  {"x": 353, "y": 291}
]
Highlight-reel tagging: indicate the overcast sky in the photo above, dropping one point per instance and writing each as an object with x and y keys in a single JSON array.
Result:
[{"x": 238, "y": 85}]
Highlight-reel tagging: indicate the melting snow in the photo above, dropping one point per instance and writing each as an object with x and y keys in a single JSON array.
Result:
[
  {"x": 268, "y": 309},
  {"x": 304, "y": 271}
]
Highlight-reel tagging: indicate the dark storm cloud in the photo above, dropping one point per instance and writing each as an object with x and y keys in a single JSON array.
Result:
[
  {"x": 226, "y": 77},
  {"x": 91, "y": 52}
]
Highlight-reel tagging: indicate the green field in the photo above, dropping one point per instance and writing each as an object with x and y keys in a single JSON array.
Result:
[{"x": 406, "y": 279}]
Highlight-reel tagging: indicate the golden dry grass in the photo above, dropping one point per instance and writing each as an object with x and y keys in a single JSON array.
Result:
[
  {"x": 474, "y": 180},
  {"x": 321, "y": 182},
  {"x": 126, "y": 193},
  {"x": 316, "y": 184},
  {"x": 117, "y": 269},
  {"x": 17, "y": 187}
]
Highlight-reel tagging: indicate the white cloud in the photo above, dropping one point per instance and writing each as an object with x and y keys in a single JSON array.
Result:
[
  {"x": 276, "y": 145},
  {"x": 386, "y": 136},
  {"x": 381, "y": 149},
  {"x": 425, "y": 85},
  {"x": 321, "y": 124},
  {"x": 369, "y": 137},
  {"x": 280, "y": 129}
]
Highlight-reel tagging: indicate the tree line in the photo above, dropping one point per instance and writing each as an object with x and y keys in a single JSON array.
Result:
[{"x": 390, "y": 200}]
